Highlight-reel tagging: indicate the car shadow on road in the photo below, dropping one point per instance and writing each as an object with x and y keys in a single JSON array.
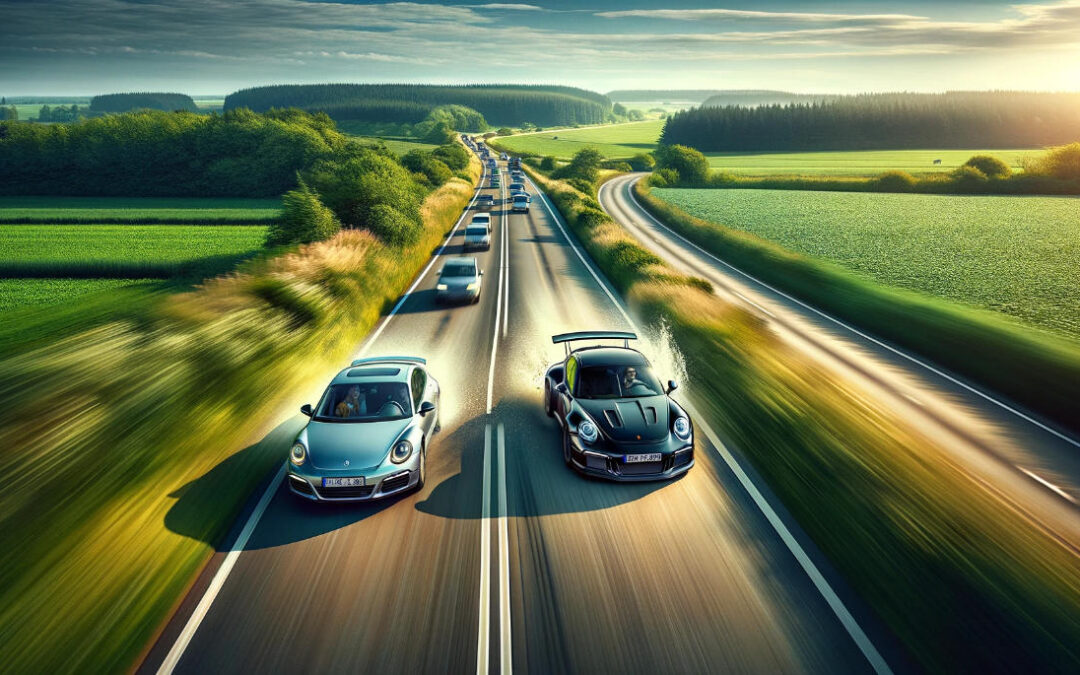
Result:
[{"x": 538, "y": 483}]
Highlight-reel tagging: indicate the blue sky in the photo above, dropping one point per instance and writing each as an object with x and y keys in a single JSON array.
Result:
[{"x": 218, "y": 46}]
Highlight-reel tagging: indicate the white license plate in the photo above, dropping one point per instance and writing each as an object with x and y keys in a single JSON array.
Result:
[
  {"x": 346, "y": 481},
  {"x": 648, "y": 457}
]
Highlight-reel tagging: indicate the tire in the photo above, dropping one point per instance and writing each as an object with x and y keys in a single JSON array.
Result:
[
  {"x": 438, "y": 425},
  {"x": 566, "y": 450},
  {"x": 547, "y": 399},
  {"x": 422, "y": 470}
]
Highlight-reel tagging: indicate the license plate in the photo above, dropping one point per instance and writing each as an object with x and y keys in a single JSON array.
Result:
[
  {"x": 648, "y": 457},
  {"x": 345, "y": 481}
]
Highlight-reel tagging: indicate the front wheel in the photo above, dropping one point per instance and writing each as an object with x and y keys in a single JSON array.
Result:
[
  {"x": 548, "y": 410},
  {"x": 422, "y": 470},
  {"x": 566, "y": 449}
]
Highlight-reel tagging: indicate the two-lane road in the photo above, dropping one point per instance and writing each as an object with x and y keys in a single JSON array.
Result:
[{"x": 506, "y": 560}]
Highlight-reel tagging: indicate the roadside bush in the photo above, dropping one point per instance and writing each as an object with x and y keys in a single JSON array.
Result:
[
  {"x": 664, "y": 178},
  {"x": 547, "y": 163},
  {"x": 1062, "y": 162},
  {"x": 968, "y": 178},
  {"x": 691, "y": 165},
  {"x": 452, "y": 155},
  {"x": 621, "y": 167},
  {"x": 585, "y": 165},
  {"x": 304, "y": 219},
  {"x": 643, "y": 161},
  {"x": 434, "y": 172},
  {"x": 582, "y": 185},
  {"x": 504, "y": 131},
  {"x": 392, "y": 226},
  {"x": 589, "y": 217},
  {"x": 990, "y": 166},
  {"x": 895, "y": 181}
]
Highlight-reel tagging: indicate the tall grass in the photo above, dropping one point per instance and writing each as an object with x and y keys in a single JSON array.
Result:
[
  {"x": 967, "y": 584},
  {"x": 104, "y": 432},
  {"x": 1037, "y": 370}
]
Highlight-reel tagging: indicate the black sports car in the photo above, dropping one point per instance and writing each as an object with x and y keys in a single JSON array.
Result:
[{"x": 618, "y": 421}]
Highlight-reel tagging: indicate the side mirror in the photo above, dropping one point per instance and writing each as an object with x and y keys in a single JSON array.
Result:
[
  {"x": 306, "y": 409},
  {"x": 426, "y": 407},
  {"x": 562, "y": 388},
  {"x": 481, "y": 272},
  {"x": 672, "y": 385}
]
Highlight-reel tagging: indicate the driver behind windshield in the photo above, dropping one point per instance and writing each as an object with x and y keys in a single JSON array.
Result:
[{"x": 352, "y": 405}]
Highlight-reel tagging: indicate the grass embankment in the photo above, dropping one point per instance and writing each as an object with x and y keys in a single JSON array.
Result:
[
  {"x": 138, "y": 210},
  {"x": 107, "y": 433},
  {"x": 964, "y": 582},
  {"x": 1037, "y": 370}
]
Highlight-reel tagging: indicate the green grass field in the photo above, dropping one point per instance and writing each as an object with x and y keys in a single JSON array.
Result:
[
  {"x": 626, "y": 140},
  {"x": 137, "y": 210},
  {"x": 1016, "y": 255},
  {"x": 399, "y": 146},
  {"x": 117, "y": 251},
  {"x": 38, "y": 293}
]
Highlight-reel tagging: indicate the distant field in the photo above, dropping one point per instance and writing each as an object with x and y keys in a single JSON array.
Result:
[
  {"x": 399, "y": 146},
  {"x": 136, "y": 210},
  {"x": 1015, "y": 255},
  {"x": 854, "y": 163},
  {"x": 37, "y": 293},
  {"x": 613, "y": 140},
  {"x": 668, "y": 106},
  {"x": 114, "y": 251}
]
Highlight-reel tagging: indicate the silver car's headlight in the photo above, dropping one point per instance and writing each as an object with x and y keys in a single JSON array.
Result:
[
  {"x": 587, "y": 432},
  {"x": 441, "y": 287},
  {"x": 473, "y": 286},
  {"x": 681, "y": 427},
  {"x": 401, "y": 452},
  {"x": 298, "y": 454}
]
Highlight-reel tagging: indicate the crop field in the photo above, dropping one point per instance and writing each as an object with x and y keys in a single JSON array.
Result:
[
  {"x": 1016, "y": 255},
  {"x": 136, "y": 210},
  {"x": 37, "y": 293},
  {"x": 613, "y": 140},
  {"x": 136, "y": 251},
  {"x": 855, "y": 162}
]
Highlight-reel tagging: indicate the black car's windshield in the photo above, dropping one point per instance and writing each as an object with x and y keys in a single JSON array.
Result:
[
  {"x": 459, "y": 270},
  {"x": 365, "y": 402},
  {"x": 616, "y": 382}
]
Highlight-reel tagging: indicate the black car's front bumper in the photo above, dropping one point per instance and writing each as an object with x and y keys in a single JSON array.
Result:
[{"x": 612, "y": 466}]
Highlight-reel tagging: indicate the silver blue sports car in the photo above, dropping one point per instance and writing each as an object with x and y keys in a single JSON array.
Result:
[{"x": 369, "y": 434}]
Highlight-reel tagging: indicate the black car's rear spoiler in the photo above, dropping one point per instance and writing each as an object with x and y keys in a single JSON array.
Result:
[{"x": 594, "y": 335}]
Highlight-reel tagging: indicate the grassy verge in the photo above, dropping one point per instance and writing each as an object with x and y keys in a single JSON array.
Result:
[
  {"x": 120, "y": 441},
  {"x": 1037, "y": 370},
  {"x": 964, "y": 582}
]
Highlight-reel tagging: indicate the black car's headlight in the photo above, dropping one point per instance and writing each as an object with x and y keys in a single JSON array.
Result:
[
  {"x": 401, "y": 452},
  {"x": 587, "y": 432},
  {"x": 298, "y": 454},
  {"x": 681, "y": 427}
]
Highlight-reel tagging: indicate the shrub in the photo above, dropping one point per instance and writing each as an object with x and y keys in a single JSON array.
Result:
[
  {"x": 664, "y": 178},
  {"x": 581, "y": 184},
  {"x": 452, "y": 155},
  {"x": 504, "y": 131},
  {"x": 1061, "y": 162},
  {"x": 392, "y": 226},
  {"x": 434, "y": 172},
  {"x": 990, "y": 166},
  {"x": 304, "y": 219},
  {"x": 589, "y": 218},
  {"x": 968, "y": 177},
  {"x": 352, "y": 188},
  {"x": 895, "y": 181},
  {"x": 621, "y": 167},
  {"x": 691, "y": 165},
  {"x": 547, "y": 163},
  {"x": 643, "y": 161}
]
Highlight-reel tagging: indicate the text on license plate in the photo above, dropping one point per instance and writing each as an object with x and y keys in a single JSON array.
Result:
[
  {"x": 345, "y": 481},
  {"x": 648, "y": 457}
]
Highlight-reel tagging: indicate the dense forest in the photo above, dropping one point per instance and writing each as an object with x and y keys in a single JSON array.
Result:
[
  {"x": 884, "y": 121},
  {"x": 136, "y": 101},
  {"x": 409, "y": 103},
  {"x": 154, "y": 153}
]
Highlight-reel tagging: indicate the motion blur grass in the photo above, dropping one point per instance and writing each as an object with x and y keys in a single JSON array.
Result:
[
  {"x": 38, "y": 293},
  {"x": 124, "y": 251},
  {"x": 944, "y": 563},
  {"x": 1039, "y": 370},
  {"x": 110, "y": 429},
  {"x": 137, "y": 210},
  {"x": 1015, "y": 255}
]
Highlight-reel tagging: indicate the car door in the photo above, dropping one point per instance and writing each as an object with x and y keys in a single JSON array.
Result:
[
  {"x": 565, "y": 394},
  {"x": 418, "y": 385}
]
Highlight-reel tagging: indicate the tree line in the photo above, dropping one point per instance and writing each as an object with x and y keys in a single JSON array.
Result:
[
  {"x": 403, "y": 103},
  {"x": 883, "y": 121},
  {"x": 138, "y": 100}
]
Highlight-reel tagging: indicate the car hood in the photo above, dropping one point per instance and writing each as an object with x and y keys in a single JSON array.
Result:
[
  {"x": 457, "y": 282},
  {"x": 630, "y": 419},
  {"x": 363, "y": 444}
]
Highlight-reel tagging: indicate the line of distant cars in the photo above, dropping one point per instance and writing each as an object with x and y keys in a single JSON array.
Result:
[{"x": 368, "y": 436}]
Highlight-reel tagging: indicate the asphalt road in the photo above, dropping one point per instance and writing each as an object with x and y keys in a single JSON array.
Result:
[
  {"x": 506, "y": 560},
  {"x": 1022, "y": 460}
]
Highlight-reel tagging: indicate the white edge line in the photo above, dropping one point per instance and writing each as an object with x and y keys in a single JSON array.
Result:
[
  {"x": 1047, "y": 484},
  {"x": 498, "y": 313},
  {"x": 820, "y": 583},
  {"x": 222, "y": 573},
  {"x": 865, "y": 336},
  {"x": 482, "y": 639},
  {"x": 506, "y": 659}
]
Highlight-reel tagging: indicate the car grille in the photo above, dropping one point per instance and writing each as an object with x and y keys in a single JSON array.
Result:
[
  {"x": 395, "y": 483},
  {"x": 640, "y": 468},
  {"x": 346, "y": 492}
]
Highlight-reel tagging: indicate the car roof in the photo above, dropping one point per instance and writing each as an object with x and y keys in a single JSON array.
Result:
[
  {"x": 378, "y": 372},
  {"x": 481, "y": 216},
  {"x": 609, "y": 356},
  {"x": 520, "y": 195}
]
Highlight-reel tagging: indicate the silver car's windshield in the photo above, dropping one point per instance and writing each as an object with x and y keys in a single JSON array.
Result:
[
  {"x": 459, "y": 270},
  {"x": 364, "y": 402},
  {"x": 617, "y": 382}
]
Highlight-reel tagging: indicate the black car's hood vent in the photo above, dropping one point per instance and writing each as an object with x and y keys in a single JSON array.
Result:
[{"x": 634, "y": 419}]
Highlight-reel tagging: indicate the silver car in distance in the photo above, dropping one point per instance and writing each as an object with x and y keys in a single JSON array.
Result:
[
  {"x": 460, "y": 280},
  {"x": 369, "y": 434}
]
